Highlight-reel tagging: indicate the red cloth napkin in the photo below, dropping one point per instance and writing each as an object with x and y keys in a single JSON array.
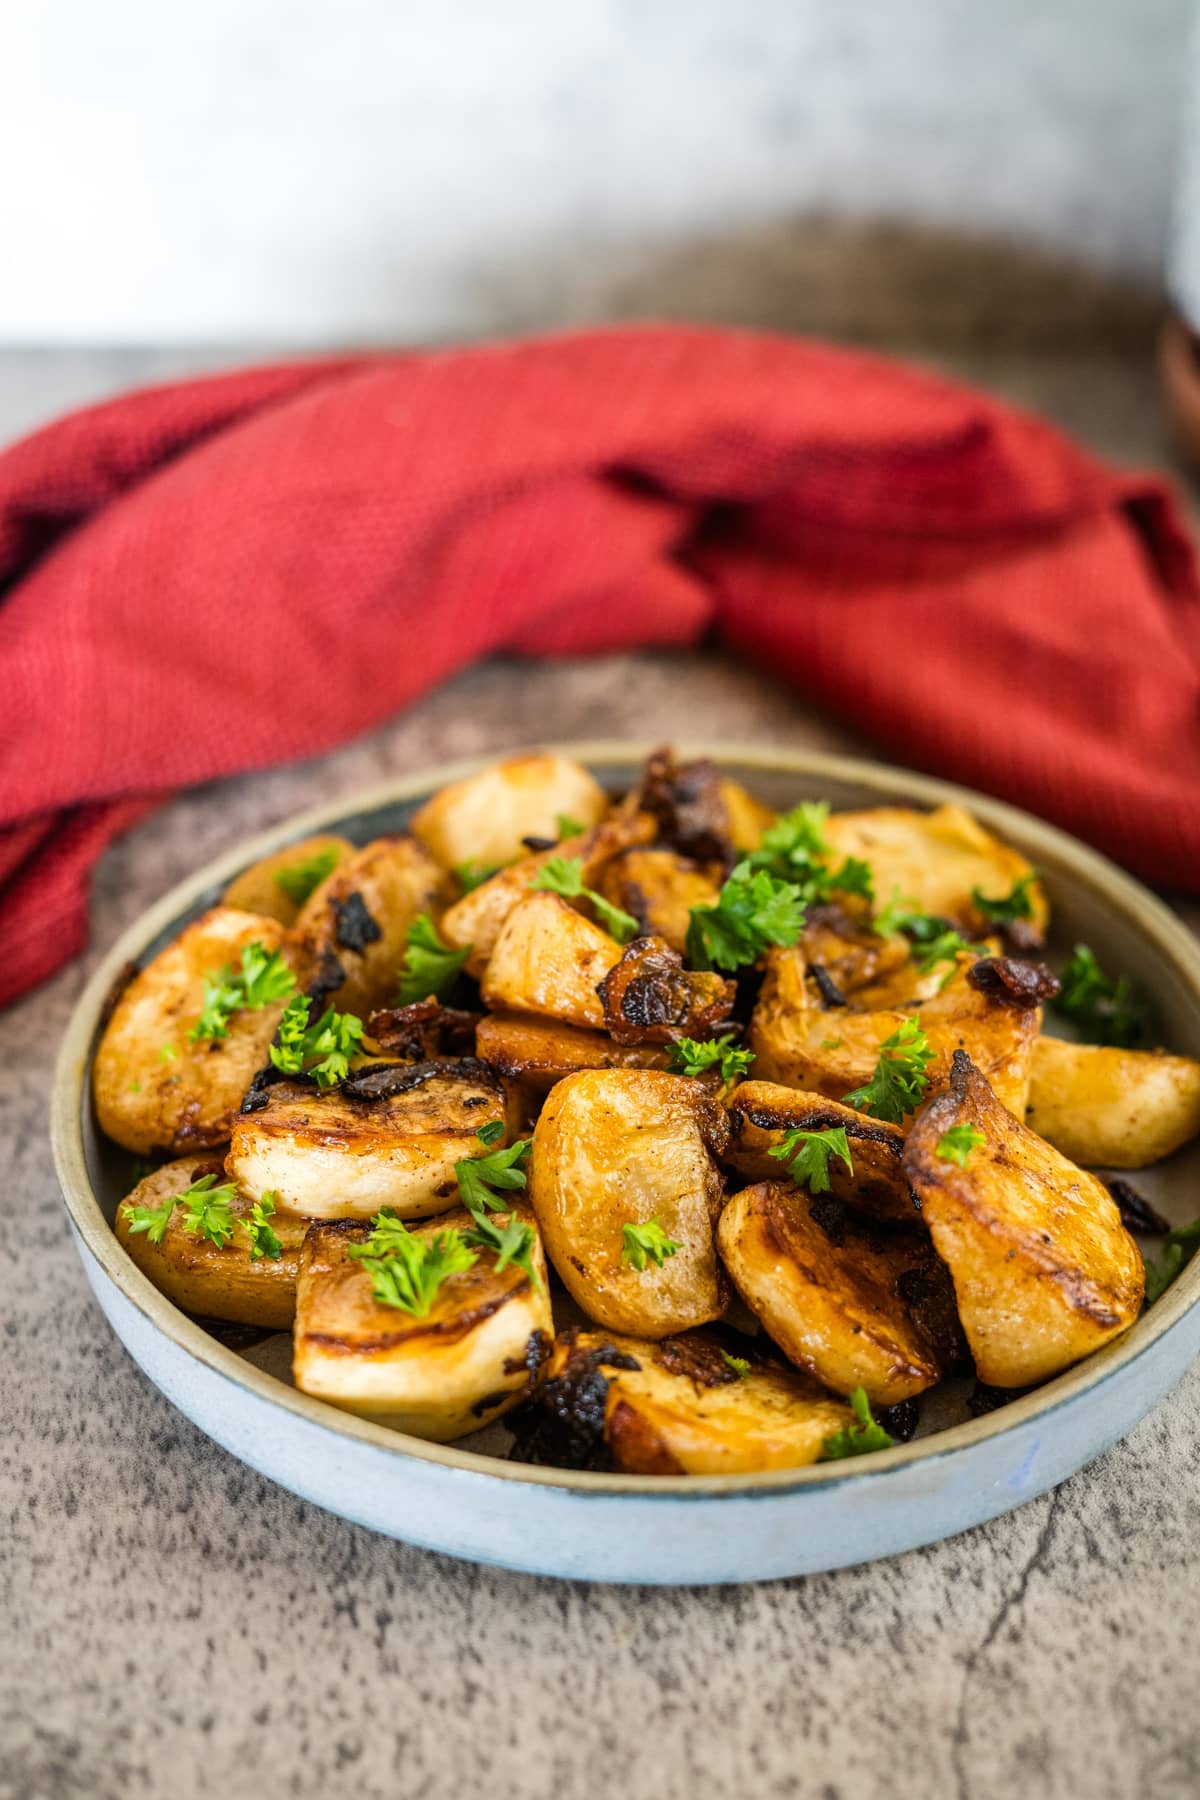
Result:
[{"x": 227, "y": 573}]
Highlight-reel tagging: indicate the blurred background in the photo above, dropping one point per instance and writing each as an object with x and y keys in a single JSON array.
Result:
[{"x": 186, "y": 184}]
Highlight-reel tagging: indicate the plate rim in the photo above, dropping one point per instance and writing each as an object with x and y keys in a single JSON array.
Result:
[{"x": 1144, "y": 911}]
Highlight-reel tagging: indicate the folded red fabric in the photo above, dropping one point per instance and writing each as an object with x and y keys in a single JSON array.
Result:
[{"x": 231, "y": 572}]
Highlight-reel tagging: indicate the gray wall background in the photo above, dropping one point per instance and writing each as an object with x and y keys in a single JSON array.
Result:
[{"x": 307, "y": 170}]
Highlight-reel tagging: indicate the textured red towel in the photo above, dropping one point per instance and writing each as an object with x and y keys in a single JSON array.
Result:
[{"x": 231, "y": 572}]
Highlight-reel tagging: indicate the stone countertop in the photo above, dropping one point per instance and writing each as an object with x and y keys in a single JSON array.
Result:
[{"x": 174, "y": 1625}]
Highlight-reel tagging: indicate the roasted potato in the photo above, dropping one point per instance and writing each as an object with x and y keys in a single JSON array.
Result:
[
  {"x": 485, "y": 819},
  {"x": 799, "y": 1043},
  {"x": 549, "y": 959},
  {"x": 216, "y": 1282},
  {"x": 440, "y": 1375},
  {"x": 389, "y": 1136},
  {"x": 359, "y": 918},
  {"x": 659, "y": 888},
  {"x": 1043, "y": 1269},
  {"x": 748, "y": 818},
  {"x": 542, "y": 1051},
  {"x": 155, "y": 1087},
  {"x": 760, "y": 1116},
  {"x": 830, "y": 1287},
  {"x": 995, "y": 1026},
  {"x": 851, "y": 955},
  {"x": 675, "y": 1407},
  {"x": 935, "y": 859},
  {"x": 1109, "y": 1108},
  {"x": 618, "y": 1147},
  {"x": 258, "y": 889}
]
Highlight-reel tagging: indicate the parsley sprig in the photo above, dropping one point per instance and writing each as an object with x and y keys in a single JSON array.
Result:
[
  {"x": 207, "y": 1207},
  {"x": 481, "y": 1182},
  {"x": 563, "y": 875},
  {"x": 261, "y": 1235},
  {"x": 406, "y": 1269},
  {"x": 323, "y": 1050},
  {"x": 262, "y": 978},
  {"x": 795, "y": 849},
  {"x": 808, "y": 1153},
  {"x": 430, "y": 966},
  {"x": 299, "y": 880},
  {"x": 956, "y": 1144},
  {"x": 646, "y": 1243},
  {"x": 1111, "y": 1011},
  {"x": 899, "y": 1082},
  {"x": 691, "y": 1056},
  {"x": 861, "y": 1438},
  {"x": 947, "y": 946},
  {"x": 1007, "y": 909},
  {"x": 753, "y": 910}
]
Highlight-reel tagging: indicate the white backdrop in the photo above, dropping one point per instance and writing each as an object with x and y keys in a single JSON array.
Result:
[{"x": 173, "y": 170}]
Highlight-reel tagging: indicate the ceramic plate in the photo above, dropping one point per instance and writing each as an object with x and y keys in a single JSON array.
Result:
[{"x": 468, "y": 1502}]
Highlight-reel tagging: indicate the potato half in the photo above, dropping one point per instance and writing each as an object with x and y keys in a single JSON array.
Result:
[
  {"x": 257, "y": 889},
  {"x": 676, "y": 1407},
  {"x": 617, "y": 1147},
  {"x": 389, "y": 1136},
  {"x": 830, "y": 1288},
  {"x": 438, "y": 1376},
  {"x": 760, "y": 1116},
  {"x": 1112, "y": 1109},
  {"x": 155, "y": 1088},
  {"x": 485, "y": 819},
  {"x": 549, "y": 959},
  {"x": 1043, "y": 1269},
  {"x": 359, "y": 918}
]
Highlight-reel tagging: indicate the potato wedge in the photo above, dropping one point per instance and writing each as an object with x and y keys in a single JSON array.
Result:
[
  {"x": 1109, "y": 1108},
  {"x": 157, "y": 1089},
  {"x": 389, "y": 1136},
  {"x": 359, "y": 918},
  {"x": 830, "y": 1288},
  {"x": 675, "y": 1407},
  {"x": 935, "y": 859},
  {"x": 438, "y": 1376},
  {"x": 258, "y": 890},
  {"x": 543, "y": 1051},
  {"x": 549, "y": 959},
  {"x": 1043, "y": 1269},
  {"x": 996, "y": 1027},
  {"x": 617, "y": 1147},
  {"x": 760, "y": 1116},
  {"x": 485, "y": 819},
  {"x": 659, "y": 888},
  {"x": 214, "y": 1282}
]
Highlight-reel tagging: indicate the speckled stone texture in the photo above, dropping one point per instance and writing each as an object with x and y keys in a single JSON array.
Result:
[{"x": 173, "y": 1625}]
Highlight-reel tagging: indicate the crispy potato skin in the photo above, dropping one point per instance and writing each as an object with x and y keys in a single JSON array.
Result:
[
  {"x": 1043, "y": 1269},
  {"x": 331, "y": 1157},
  {"x": 485, "y": 818},
  {"x": 148, "y": 1100},
  {"x": 193, "y": 1273},
  {"x": 760, "y": 1116},
  {"x": 659, "y": 888},
  {"x": 935, "y": 859},
  {"x": 829, "y": 1297},
  {"x": 684, "y": 1411},
  {"x": 999, "y": 1039},
  {"x": 543, "y": 1051},
  {"x": 616, "y": 1147},
  {"x": 1112, "y": 1109},
  {"x": 439, "y": 1376},
  {"x": 396, "y": 879},
  {"x": 256, "y": 889},
  {"x": 549, "y": 959}
]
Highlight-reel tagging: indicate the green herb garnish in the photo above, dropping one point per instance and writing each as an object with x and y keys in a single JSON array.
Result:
[
  {"x": 299, "y": 880},
  {"x": 1006, "y": 909},
  {"x": 207, "y": 1209},
  {"x": 511, "y": 1240},
  {"x": 262, "y": 978},
  {"x": 738, "y": 1364},
  {"x": 1179, "y": 1246},
  {"x": 430, "y": 966},
  {"x": 323, "y": 1050},
  {"x": 153, "y": 1220},
  {"x": 1110, "y": 1011},
  {"x": 479, "y": 1176},
  {"x": 859, "y": 1439},
  {"x": 563, "y": 875},
  {"x": 472, "y": 875},
  {"x": 957, "y": 1144},
  {"x": 648, "y": 1242},
  {"x": 263, "y": 1241},
  {"x": 753, "y": 911},
  {"x": 691, "y": 1056},
  {"x": 906, "y": 916},
  {"x": 807, "y": 1155},
  {"x": 567, "y": 827},
  {"x": 795, "y": 850},
  {"x": 407, "y": 1270},
  {"x": 899, "y": 1082}
]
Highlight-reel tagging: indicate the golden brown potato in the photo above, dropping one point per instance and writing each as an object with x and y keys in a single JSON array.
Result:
[
  {"x": 676, "y": 1407},
  {"x": 1110, "y": 1108},
  {"x": 998, "y": 1032},
  {"x": 439, "y": 1375},
  {"x": 618, "y": 1147},
  {"x": 549, "y": 959},
  {"x": 484, "y": 819},
  {"x": 258, "y": 889},
  {"x": 935, "y": 859},
  {"x": 156, "y": 1088},
  {"x": 216, "y": 1282},
  {"x": 359, "y": 917},
  {"x": 830, "y": 1288},
  {"x": 659, "y": 888},
  {"x": 1043, "y": 1269},
  {"x": 543, "y": 1051},
  {"x": 748, "y": 817},
  {"x": 850, "y": 953},
  {"x": 760, "y": 1116},
  {"x": 389, "y": 1136}
]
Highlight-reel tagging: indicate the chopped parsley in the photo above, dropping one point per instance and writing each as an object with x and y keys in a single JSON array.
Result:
[
  {"x": 957, "y": 1144},
  {"x": 794, "y": 849},
  {"x": 1110, "y": 1011},
  {"x": 648, "y": 1242},
  {"x": 1179, "y": 1247},
  {"x": 323, "y": 1050},
  {"x": 1006, "y": 909},
  {"x": 563, "y": 875},
  {"x": 479, "y": 1176},
  {"x": 407, "y": 1270},
  {"x": 691, "y": 1056},
  {"x": 899, "y": 1082},
  {"x": 512, "y": 1241},
  {"x": 753, "y": 911},
  {"x": 472, "y": 874},
  {"x": 906, "y": 916},
  {"x": 430, "y": 966},
  {"x": 831, "y": 1043},
  {"x": 859, "y": 1439},
  {"x": 263, "y": 1241},
  {"x": 207, "y": 1211},
  {"x": 167, "y": 1053},
  {"x": 303, "y": 878},
  {"x": 153, "y": 1220},
  {"x": 807, "y": 1155},
  {"x": 947, "y": 946},
  {"x": 263, "y": 977},
  {"x": 567, "y": 827},
  {"x": 738, "y": 1364}
]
